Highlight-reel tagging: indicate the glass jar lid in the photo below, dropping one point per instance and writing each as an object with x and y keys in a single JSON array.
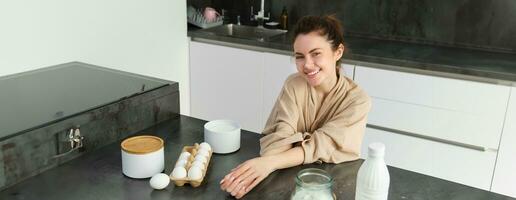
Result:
[{"x": 314, "y": 179}]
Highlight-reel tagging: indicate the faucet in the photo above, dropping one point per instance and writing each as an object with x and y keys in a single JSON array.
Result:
[
  {"x": 260, "y": 16},
  {"x": 251, "y": 16}
]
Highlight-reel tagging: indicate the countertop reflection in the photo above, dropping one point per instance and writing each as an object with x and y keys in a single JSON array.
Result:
[{"x": 33, "y": 99}]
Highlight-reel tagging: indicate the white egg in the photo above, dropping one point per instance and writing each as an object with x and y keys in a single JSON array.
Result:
[
  {"x": 206, "y": 146},
  {"x": 179, "y": 172},
  {"x": 181, "y": 163},
  {"x": 159, "y": 181},
  {"x": 185, "y": 155},
  {"x": 195, "y": 173},
  {"x": 203, "y": 152},
  {"x": 198, "y": 163},
  {"x": 201, "y": 158}
]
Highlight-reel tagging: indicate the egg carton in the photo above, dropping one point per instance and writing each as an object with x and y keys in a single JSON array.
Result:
[{"x": 193, "y": 151}]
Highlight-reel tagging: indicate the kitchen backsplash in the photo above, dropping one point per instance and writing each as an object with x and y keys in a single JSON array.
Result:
[{"x": 477, "y": 24}]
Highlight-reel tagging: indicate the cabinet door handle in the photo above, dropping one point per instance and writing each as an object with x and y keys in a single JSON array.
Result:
[{"x": 406, "y": 133}]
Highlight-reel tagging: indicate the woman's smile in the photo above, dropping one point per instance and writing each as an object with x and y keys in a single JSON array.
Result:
[{"x": 313, "y": 73}]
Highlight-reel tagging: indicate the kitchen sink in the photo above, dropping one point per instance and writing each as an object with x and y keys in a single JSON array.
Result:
[{"x": 244, "y": 32}]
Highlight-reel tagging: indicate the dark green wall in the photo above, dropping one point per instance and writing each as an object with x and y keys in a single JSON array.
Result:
[
  {"x": 484, "y": 24},
  {"x": 480, "y": 24}
]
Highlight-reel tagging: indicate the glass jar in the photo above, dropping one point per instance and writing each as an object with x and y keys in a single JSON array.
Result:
[{"x": 312, "y": 183}]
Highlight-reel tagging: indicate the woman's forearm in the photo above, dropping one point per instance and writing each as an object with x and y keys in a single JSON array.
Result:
[
  {"x": 290, "y": 158},
  {"x": 247, "y": 175}
]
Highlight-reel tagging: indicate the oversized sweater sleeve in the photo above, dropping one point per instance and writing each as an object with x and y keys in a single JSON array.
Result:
[
  {"x": 280, "y": 132},
  {"x": 340, "y": 138}
]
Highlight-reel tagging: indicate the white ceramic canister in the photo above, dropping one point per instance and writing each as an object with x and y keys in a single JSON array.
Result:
[
  {"x": 142, "y": 156},
  {"x": 222, "y": 135}
]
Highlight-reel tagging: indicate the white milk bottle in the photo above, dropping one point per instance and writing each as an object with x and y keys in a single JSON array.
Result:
[{"x": 373, "y": 177}]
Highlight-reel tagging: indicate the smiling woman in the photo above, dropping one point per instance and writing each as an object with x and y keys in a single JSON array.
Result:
[{"x": 319, "y": 116}]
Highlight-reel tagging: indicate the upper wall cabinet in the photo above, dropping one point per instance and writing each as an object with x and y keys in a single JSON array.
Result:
[
  {"x": 225, "y": 83},
  {"x": 504, "y": 180}
]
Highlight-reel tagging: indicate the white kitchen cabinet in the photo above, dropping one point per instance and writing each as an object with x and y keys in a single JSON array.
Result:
[
  {"x": 450, "y": 162},
  {"x": 461, "y": 111},
  {"x": 348, "y": 70},
  {"x": 226, "y": 83},
  {"x": 504, "y": 179},
  {"x": 441, "y": 127}
]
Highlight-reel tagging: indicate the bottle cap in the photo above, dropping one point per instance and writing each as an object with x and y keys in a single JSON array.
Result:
[{"x": 376, "y": 149}]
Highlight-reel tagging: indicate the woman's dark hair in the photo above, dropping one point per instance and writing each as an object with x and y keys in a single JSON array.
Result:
[{"x": 327, "y": 26}]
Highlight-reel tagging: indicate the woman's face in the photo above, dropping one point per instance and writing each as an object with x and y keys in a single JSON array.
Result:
[{"x": 315, "y": 58}]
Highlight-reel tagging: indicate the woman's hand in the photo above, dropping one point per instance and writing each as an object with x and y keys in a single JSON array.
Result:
[{"x": 246, "y": 176}]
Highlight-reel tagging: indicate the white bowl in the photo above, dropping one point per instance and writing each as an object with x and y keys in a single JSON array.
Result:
[{"x": 222, "y": 135}]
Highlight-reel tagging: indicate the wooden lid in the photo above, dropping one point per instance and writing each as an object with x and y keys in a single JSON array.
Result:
[{"x": 142, "y": 144}]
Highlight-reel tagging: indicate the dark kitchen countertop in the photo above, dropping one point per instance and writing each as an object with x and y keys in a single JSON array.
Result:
[
  {"x": 98, "y": 175},
  {"x": 470, "y": 64}
]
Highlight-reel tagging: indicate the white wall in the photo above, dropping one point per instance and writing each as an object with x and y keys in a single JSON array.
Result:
[{"x": 144, "y": 37}]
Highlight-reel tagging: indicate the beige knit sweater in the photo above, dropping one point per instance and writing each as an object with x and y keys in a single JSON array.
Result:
[{"x": 328, "y": 130}]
